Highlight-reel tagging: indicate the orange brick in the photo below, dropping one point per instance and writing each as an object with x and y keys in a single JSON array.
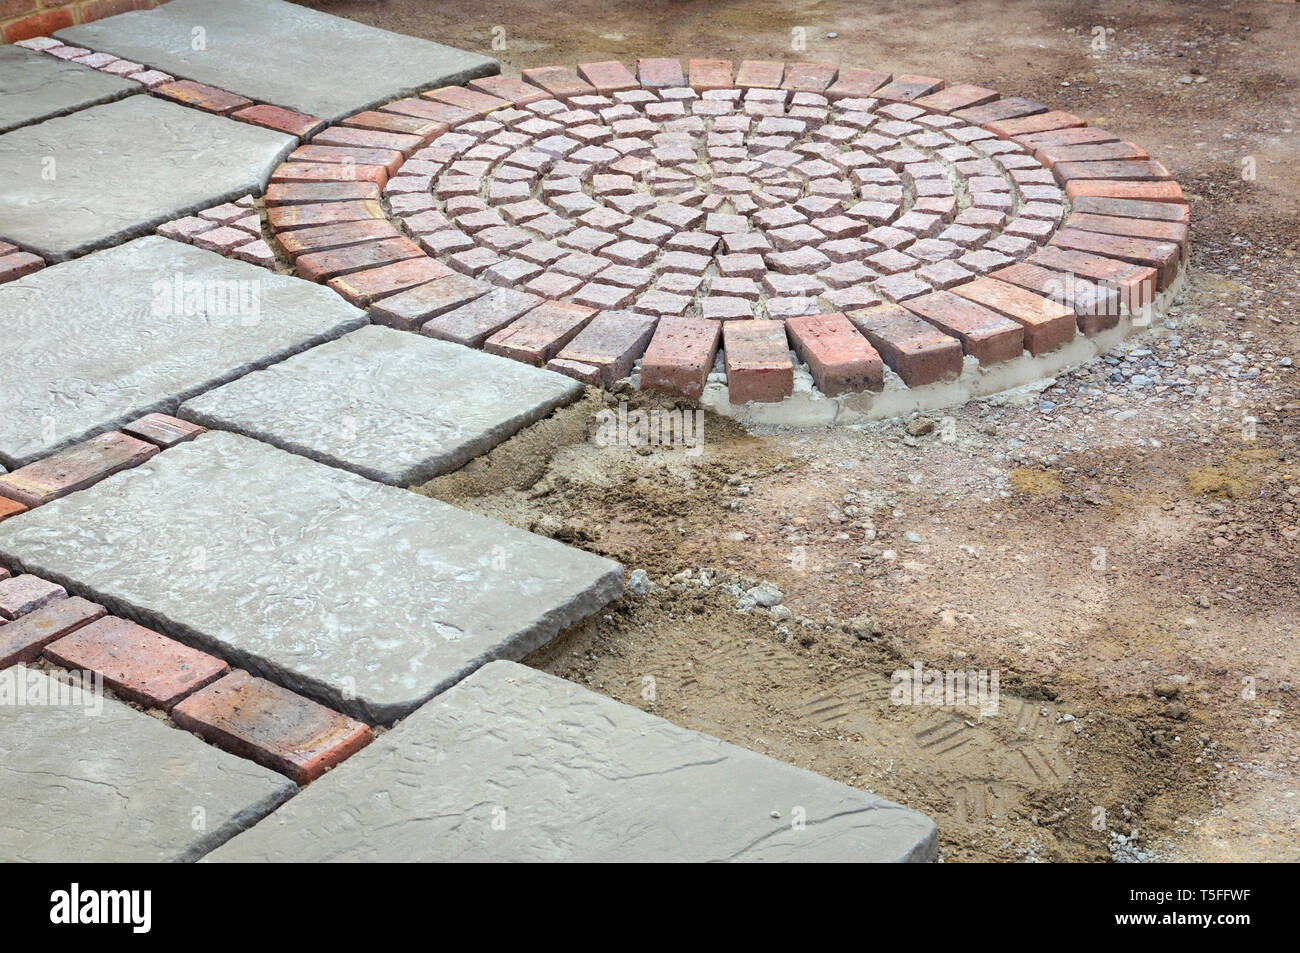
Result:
[
  {"x": 857, "y": 83},
  {"x": 984, "y": 334},
  {"x": 376, "y": 121},
  {"x": 914, "y": 349},
  {"x": 758, "y": 361},
  {"x": 74, "y": 469},
  {"x": 300, "y": 193},
  {"x": 961, "y": 96},
  {"x": 140, "y": 665},
  {"x": 1096, "y": 309},
  {"x": 329, "y": 172},
  {"x": 19, "y": 264},
  {"x": 809, "y": 77},
  {"x": 1134, "y": 170},
  {"x": 1048, "y": 324},
  {"x": 355, "y": 138},
  {"x": 10, "y": 508},
  {"x": 909, "y": 86},
  {"x": 320, "y": 238},
  {"x": 1146, "y": 191},
  {"x": 363, "y": 287},
  {"x": 680, "y": 356},
  {"x": 709, "y": 74},
  {"x": 558, "y": 81},
  {"x": 1135, "y": 285},
  {"x": 471, "y": 99},
  {"x": 609, "y": 76},
  {"x": 273, "y": 726},
  {"x": 1133, "y": 208},
  {"x": 324, "y": 265},
  {"x": 23, "y": 641},
  {"x": 42, "y": 24},
  {"x": 659, "y": 72},
  {"x": 1052, "y": 156},
  {"x": 163, "y": 431},
  {"x": 840, "y": 359},
  {"x": 1175, "y": 232},
  {"x": 1027, "y": 125},
  {"x": 285, "y": 218},
  {"x": 1162, "y": 256},
  {"x": 763, "y": 74},
  {"x": 509, "y": 88},
  {"x": 279, "y": 119},
  {"x": 200, "y": 96},
  {"x": 540, "y": 334}
]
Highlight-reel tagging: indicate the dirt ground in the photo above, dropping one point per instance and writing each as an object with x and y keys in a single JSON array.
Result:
[{"x": 1125, "y": 557}]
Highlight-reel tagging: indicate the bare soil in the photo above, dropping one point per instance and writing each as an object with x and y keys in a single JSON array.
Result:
[{"x": 1131, "y": 575}]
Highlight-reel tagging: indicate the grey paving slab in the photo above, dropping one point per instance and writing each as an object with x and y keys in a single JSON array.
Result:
[
  {"x": 368, "y": 598},
  {"x": 281, "y": 53},
  {"x": 115, "y": 785},
  {"x": 94, "y": 343},
  {"x": 34, "y": 87},
  {"x": 516, "y": 765},
  {"x": 389, "y": 405},
  {"x": 109, "y": 173}
]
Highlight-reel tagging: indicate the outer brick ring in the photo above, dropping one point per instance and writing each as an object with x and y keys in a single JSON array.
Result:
[{"x": 583, "y": 220}]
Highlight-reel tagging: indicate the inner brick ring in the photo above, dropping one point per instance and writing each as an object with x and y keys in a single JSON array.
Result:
[{"x": 585, "y": 221}]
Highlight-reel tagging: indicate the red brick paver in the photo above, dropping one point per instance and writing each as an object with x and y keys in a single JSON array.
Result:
[
  {"x": 138, "y": 664},
  {"x": 914, "y": 349},
  {"x": 985, "y": 335},
  {"x": 840, "y": 359},
  {"x": 163, "y": 431},
  {"x": 259, "y": 720},
  {"x": 74, "y": 469},
  {"x": 23, "y": 640},
  {"x": 758, "y": 361}
]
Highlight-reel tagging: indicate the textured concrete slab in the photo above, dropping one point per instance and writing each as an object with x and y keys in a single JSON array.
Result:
[
  {"x": 282, "y": 54},
  {"x": 98, "y": 342},
  {"x": 392, "y": 406},
  {"x": 117, "y": 786},
  {"x": 34, "y": 87},
  {"x": 110, "y": 173},
  {"x": 516, "y": 765},
  {"x": 368, "y": 598}
]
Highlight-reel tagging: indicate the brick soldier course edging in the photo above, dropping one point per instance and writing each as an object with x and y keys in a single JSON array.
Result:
[{"x": 576, "y": 219}]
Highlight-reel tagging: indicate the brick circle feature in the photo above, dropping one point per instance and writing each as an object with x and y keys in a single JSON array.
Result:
[{"x": 845, "y": 220}]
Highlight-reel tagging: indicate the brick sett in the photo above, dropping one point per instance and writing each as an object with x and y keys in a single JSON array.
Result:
[
  {"x": 138, "y": 664},
  {"x": 259, "y": 720}
]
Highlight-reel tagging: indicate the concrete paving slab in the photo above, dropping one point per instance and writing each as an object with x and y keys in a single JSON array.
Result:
[
  {"x": 110, "y": 173},
  {"x": 516, "y": 765},
  {"x": 116, "y": 786},
  {"x": 282, "y": 54},
  {"x": 34, "y": 87},
  {"x": 368, "y": 598},
  {"x": 392, "y": 406},
  {"x": 95, "y": 343}
]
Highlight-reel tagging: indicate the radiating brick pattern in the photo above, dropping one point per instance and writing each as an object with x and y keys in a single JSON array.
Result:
[{"x": 705, "y": 190}]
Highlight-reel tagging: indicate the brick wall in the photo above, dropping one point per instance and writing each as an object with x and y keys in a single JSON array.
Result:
[{"x": 23, "y": 19}]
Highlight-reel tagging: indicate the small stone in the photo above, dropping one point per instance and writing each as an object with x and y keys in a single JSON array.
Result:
[
  {"x": 765, "y": 594},
  {"x": 638, "y": 582}
]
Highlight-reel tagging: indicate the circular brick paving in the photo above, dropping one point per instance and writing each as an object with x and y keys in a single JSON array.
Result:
[{"x": 596, "y": 217}]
